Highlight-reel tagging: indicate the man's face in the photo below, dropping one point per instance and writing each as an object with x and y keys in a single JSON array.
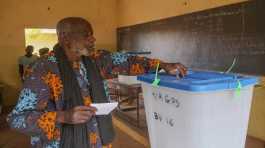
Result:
[
  {"x": 29, "y": 50},
  {"x": 85, "y": 42}
]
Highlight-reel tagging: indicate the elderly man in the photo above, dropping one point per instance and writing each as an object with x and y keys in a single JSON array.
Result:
[{"x": 54, "y": 104}]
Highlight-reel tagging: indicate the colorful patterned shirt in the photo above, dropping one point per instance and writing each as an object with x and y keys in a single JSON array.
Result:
[{"x": 42, "y": 95}]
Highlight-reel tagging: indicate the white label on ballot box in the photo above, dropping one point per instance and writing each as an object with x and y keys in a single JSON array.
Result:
[
  {"x": 168, "y": 100},
  {"x": 104, "y": 108}
]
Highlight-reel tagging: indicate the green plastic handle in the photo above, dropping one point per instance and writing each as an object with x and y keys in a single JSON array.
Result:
[
  {"x": 156, "y": 80},
  {"x": 238, "y": 89}
]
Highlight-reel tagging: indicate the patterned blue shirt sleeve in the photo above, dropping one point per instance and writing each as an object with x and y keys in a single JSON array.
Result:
[
  {"x": 129, "y": 64},
  {"x": 31, "y": 103},
  {"x": 112, "y": 64}
]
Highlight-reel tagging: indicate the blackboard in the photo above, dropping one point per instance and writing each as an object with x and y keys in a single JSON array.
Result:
[{"x": 208, "y": 39}]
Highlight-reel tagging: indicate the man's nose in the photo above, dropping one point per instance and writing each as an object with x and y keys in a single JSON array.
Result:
[{"x": 93, "y": 39}]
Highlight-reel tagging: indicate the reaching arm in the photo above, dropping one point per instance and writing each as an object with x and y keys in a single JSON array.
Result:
[{"x": 111, "y": 64}]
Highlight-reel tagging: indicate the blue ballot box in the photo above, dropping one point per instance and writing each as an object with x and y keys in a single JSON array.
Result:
[{"x": 201, "y": 110}]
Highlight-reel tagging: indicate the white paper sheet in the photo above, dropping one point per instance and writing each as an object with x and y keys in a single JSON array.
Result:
[{"x": 104, "y": 108}]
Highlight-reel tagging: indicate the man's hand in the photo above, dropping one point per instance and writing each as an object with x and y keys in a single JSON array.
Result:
[
  {"x": 172, "y": 68},
  {"x": 77, "y": 115}
]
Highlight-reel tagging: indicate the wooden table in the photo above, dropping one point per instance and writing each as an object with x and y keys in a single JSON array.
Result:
[{"x": 134, "y": 91}]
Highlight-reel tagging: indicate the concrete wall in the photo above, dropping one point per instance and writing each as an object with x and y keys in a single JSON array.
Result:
[{"x": 15, "y": 15}]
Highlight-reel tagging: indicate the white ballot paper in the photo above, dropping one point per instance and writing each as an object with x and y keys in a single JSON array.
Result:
[{"x": 104, "y": 108}]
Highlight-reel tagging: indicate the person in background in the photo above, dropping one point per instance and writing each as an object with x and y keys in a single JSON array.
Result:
[
  {"x": 43, "y": 52},
  {"x": 25, "y": 61},
  {"x": 54, "y": 104}
]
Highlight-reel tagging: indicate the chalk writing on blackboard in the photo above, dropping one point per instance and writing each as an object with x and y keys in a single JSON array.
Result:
[
  {"x": 208, "y": 39},
  {"x": 213, "y": 15}
]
